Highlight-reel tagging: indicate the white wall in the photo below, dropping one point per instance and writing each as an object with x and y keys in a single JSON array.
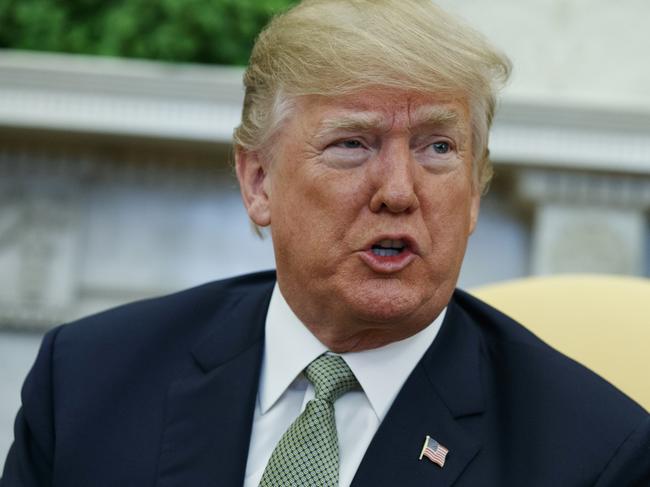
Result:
[{"x": 593, "y": 52}]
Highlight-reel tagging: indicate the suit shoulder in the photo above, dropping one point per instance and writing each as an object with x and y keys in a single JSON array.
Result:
[
  {"x": 181, "y": 314},
  {"x": 544, "y": 373},
  {"x": 545, "y": 397},
  {"x": 497, "y": 325}
]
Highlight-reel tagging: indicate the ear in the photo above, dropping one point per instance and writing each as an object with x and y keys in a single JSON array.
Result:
[
  {"x": 475, "y": 206},
  {"x": 254, "y": 183}
]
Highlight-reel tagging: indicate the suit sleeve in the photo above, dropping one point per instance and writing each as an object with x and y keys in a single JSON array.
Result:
[
  {"x": 630, "y": 466},
  {"x": 30, "y": 458}
]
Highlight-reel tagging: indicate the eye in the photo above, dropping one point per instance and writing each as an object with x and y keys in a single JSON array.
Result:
[
  {"x": 437, "y": 152},
  {"x": 345, "y": 153},
  {"x": 350, "y": 144},
  {"x": 441, "y": 147}
]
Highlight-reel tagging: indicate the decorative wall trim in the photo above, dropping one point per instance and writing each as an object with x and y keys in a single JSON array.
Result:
[
  {"x": 117, "y": 96},
  {"x": 203, "y": 103},
  {"x": 587, "y": 222},
  {"x": 543, "y": 186},
  {"x": 572, "y": 136}
]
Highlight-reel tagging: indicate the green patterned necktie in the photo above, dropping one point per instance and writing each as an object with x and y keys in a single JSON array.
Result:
[{"x": 308, "y": 452}]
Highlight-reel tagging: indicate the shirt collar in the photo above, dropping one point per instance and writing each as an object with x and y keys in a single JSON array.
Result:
[{"x": 289, "y": 347}]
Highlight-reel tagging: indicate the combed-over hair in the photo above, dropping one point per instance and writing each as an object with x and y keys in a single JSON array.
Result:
[{"x": 339, "y": 47}]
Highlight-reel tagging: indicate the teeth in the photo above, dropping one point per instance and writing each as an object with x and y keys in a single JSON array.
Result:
[
  {"x": 391, "y": 244},
  {"x": 385, "y": 252}
]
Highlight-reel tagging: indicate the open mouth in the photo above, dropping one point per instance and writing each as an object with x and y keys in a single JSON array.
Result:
[
  {"x": 388, "y": 248},
  {"x": 390, "y": 255}
]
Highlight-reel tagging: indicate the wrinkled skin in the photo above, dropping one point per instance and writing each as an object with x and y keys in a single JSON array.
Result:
[{"x": 342, "y": 174}]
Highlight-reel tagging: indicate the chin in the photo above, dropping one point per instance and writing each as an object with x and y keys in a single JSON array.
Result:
[{"x": 386, "y": 302}]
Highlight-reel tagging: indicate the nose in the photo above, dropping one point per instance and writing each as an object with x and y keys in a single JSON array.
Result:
[{"x": 394, "y": 177}]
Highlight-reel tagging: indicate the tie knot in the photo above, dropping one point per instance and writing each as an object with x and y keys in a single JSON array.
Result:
[{"x": 331, "y": 377}]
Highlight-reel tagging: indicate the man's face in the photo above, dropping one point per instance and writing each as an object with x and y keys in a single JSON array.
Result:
[{"x": 371, "y": 201}]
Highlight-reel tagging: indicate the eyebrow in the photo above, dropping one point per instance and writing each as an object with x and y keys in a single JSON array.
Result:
[
  {"x": 426, "y": 116},
  {"x": 435, "y": 116},
  {"x": 443, "y": 118},
  {"x": 354, "y": 122}
]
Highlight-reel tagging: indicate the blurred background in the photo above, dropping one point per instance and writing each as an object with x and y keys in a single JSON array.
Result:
[{"x": 115, "y": 158}]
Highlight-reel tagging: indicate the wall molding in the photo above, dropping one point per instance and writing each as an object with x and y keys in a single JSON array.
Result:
[{"x": 203, "y": 104}]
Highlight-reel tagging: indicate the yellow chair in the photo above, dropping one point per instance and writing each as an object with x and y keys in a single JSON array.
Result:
[{"x": 602, "y": 322}]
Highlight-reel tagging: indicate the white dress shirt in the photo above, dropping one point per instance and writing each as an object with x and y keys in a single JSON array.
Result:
[{"x": 284, "y": 391}]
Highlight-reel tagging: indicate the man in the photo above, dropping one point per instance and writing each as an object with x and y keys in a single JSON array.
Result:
[{"x": 363, "y": 146}]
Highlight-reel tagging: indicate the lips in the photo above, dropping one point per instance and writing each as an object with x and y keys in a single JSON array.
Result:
[{"x": 389, "y": 254}]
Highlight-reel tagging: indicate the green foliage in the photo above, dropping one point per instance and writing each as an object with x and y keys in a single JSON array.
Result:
[{"x": 203, "y": 31}]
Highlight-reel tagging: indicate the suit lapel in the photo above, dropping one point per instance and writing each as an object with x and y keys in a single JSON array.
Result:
[
  {"x": 210, "y": 410},
  {"x": 443, "y": 388}
]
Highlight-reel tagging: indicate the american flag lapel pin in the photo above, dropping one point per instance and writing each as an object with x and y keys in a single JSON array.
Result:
[{"x": 434, "y": 451}]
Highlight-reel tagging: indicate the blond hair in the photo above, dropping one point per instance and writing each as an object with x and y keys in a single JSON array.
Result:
[{"x": 337, "y": 47}]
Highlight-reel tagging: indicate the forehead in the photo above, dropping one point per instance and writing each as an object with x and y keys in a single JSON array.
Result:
[{"x": 385, "y": 109}]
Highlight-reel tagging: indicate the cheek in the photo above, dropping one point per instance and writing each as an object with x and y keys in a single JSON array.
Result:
[
  {"x": 328, "y": 196},
  {"x": 448, "y": 211},
  {"x": 308, "y": 210}
]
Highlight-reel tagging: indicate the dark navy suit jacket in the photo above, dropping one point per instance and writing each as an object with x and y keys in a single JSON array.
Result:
[{"x": 162, "y": 393}]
